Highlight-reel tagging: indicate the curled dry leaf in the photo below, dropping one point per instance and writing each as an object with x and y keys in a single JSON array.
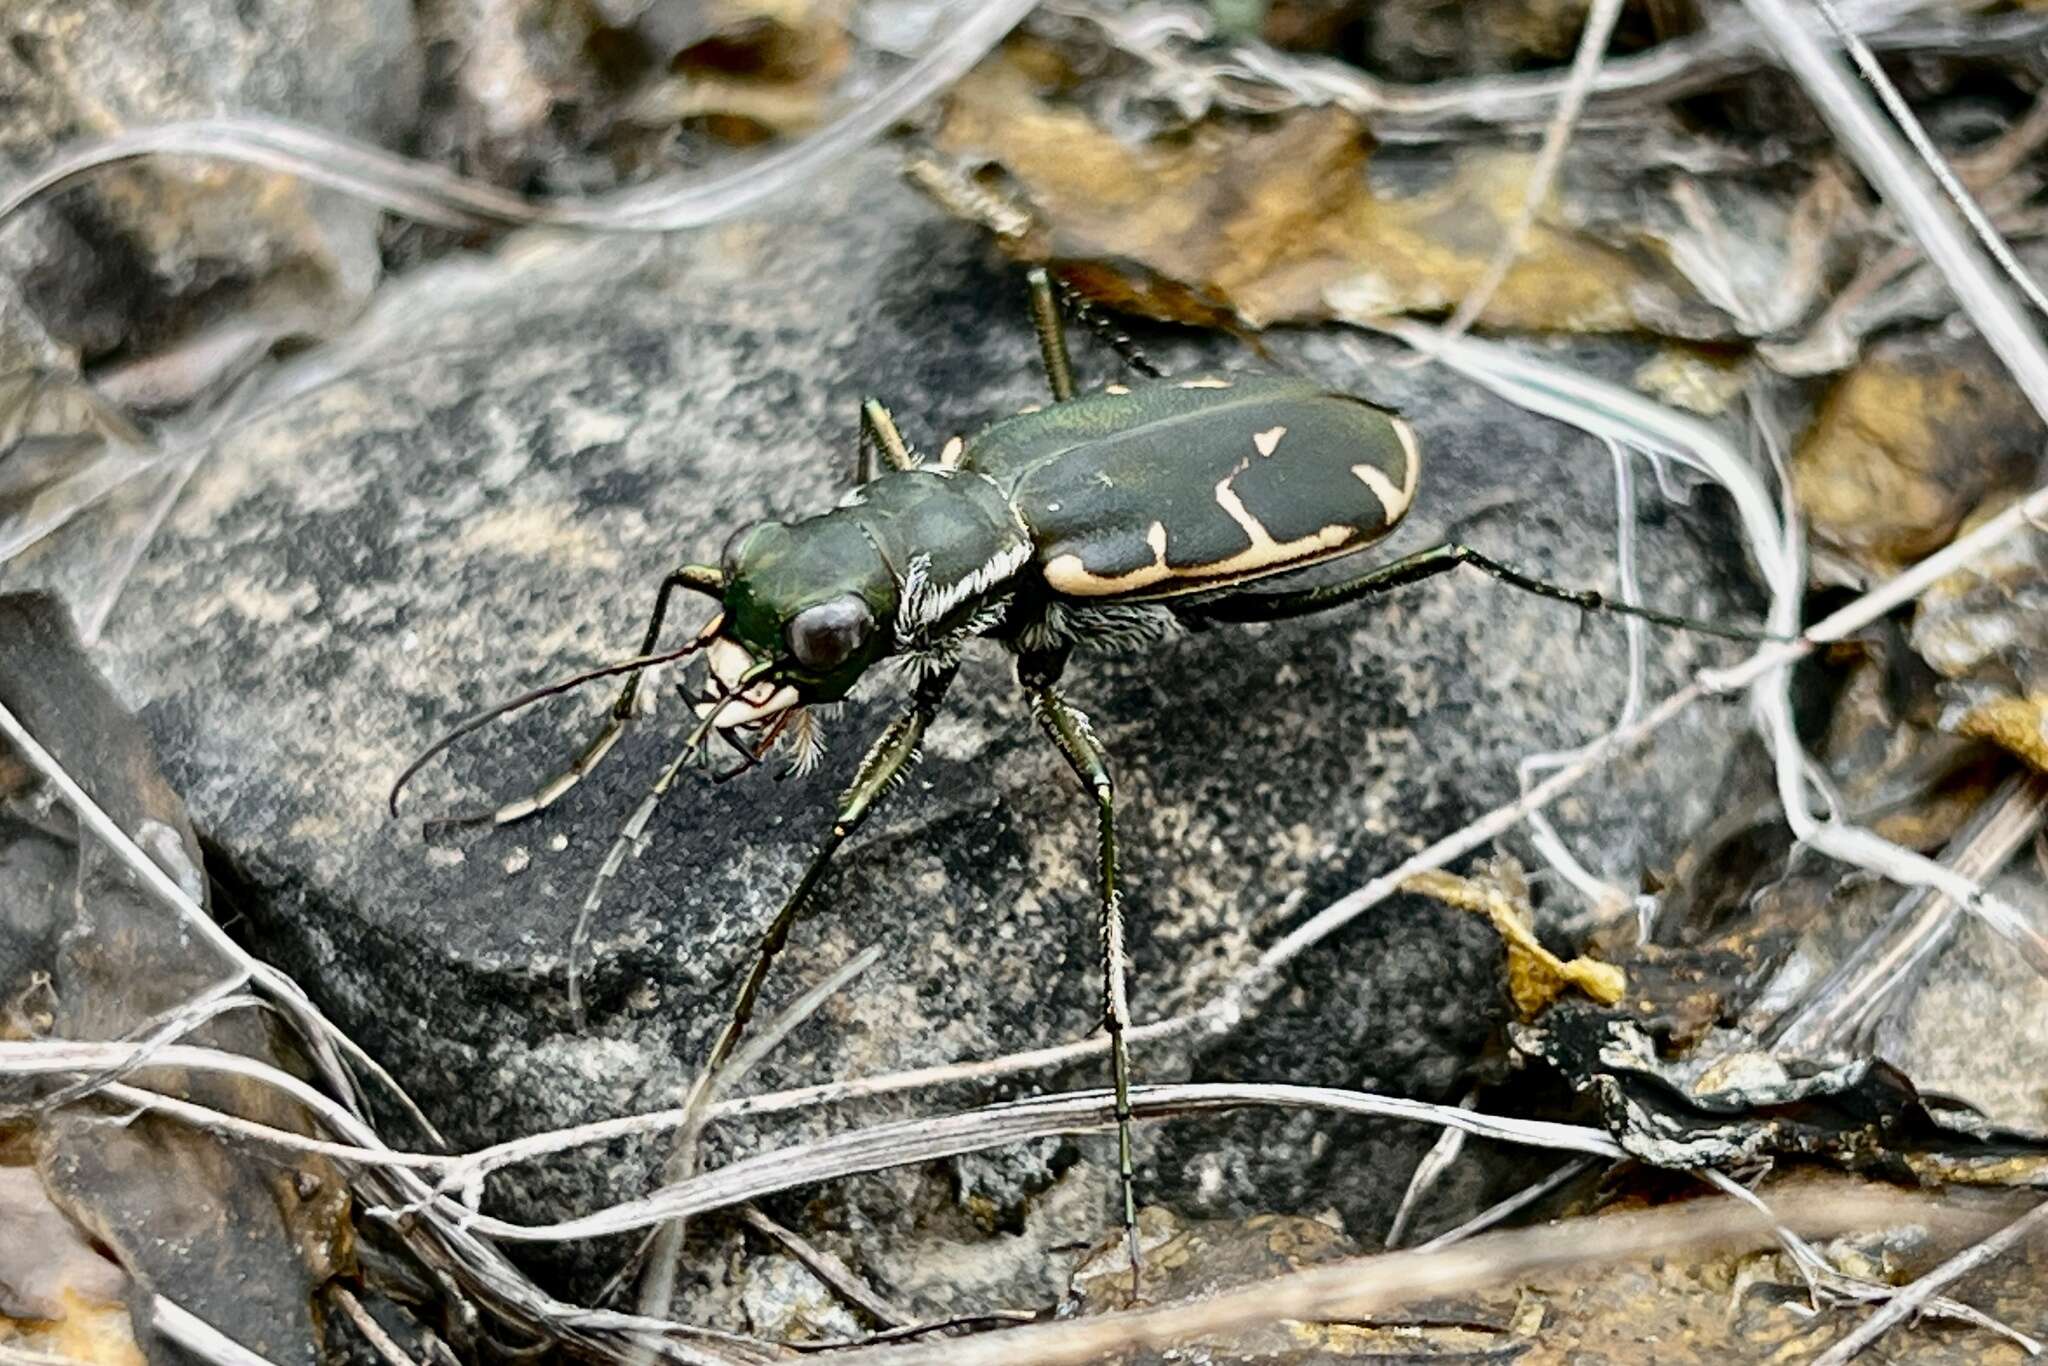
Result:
[
  {"x": 1536, "y": 976},
  {"x": 1736, "y": 1106},
  {"x": 1302, "y": 218}
]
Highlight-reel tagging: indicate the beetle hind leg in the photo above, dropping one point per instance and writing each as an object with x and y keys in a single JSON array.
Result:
[
  {"x": 1425, "y": 564},
  {"x": 1052, "y": 335},
  {"x": 1068, "y": 728},
  {"x": 1106, "y": 331}
]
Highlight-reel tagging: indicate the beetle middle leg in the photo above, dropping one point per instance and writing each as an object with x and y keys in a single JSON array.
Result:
[
  {"x": 1068, "y": 728},
  {"x": 1425, "y": 564},
  {"x": 696, "y": 578},
  {"x": 1047, "y": 297},
  {"x": 878, "y": 434}
]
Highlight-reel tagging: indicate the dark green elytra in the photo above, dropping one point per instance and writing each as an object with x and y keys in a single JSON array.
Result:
[
  {"x": 1120, "y": 495},
  {"x": 1188, "y": 485}
]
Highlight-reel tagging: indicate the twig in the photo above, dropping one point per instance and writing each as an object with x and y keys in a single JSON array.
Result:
[
  {"x": 1826, "y": 1284},
  {"x": 1895, "y": 105},
  {"x": 1872, "y": 972},
  {"x": 1728, "y": 47},
  {"x": 199, "y": 1337},
  {"x": 664, "y": 1255},
  {"x": 1875, "y": 149},
  {"x": 833, "y": 1272},
  {"x": 372, "y": 1331},
  {"x": 1350, "y": 1290},
  {"x": 1602, "y": 897},
  {"x": 1910, "y": 1299},
  {"x": 1601, "y": 16},
  {"x": 322, "y": 1037},
  {"x": 1512, "y": 1205},
  {"x": 1441, "y": 1157},
  {"x": 900, "y": 1142}
]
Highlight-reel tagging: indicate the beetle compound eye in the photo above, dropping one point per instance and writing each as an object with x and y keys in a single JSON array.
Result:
[{"x": 824, "y": 636}]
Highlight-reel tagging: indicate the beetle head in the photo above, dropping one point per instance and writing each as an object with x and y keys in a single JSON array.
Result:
[{"x": 807, "y": 607}]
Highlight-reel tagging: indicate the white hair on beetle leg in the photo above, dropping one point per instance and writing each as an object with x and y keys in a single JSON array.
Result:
[
  {"x": 806, "y": 740},
  {"x": 1111, "y": 627}
]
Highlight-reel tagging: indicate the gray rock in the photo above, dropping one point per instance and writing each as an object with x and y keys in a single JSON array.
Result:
[
  {"x": 489, "y": 501},
  {"x": 24, "y": 342},
  {"x": 140, "y": 253}
]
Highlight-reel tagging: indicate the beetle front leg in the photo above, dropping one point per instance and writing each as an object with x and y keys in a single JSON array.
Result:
[
  {"x": 697, "y": 578},
  {"x": 1071, "y": 734},
  {"x": 879, "y": 769}
]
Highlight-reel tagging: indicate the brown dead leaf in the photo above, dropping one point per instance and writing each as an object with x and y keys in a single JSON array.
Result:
[
  {"x": 57, "y": 1295},
  {"x": 755, "y": 69},
  {"x": 1277, "y": 221},
  {"x": 1907, "y": 445}
]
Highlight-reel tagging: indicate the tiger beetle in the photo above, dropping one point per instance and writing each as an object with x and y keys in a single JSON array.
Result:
[{"x": 1109, "y": 519}]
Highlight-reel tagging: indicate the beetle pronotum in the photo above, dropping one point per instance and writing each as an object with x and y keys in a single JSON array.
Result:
[{"x": 1114, "y": 517}]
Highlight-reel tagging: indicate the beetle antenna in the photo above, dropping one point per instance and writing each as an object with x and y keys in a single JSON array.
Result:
[{"x": 470, "y": 725}]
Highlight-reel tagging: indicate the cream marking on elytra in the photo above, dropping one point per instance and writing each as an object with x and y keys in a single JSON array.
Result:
[
  {"x": 1066, "y": 574},
  {"x": 1394, "y": 501},
  {"x": 950, "y": 453},
  {"x": 1268, "y": 441},
  {"x": 1264, "y": 550},
  {"x": 1116, "y": 388},
  {"x": 1031, "y": 408},
  {"x": 1208, "y": 382}
]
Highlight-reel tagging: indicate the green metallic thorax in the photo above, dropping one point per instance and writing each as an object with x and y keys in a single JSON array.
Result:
[{"x": 956, "y": 523}]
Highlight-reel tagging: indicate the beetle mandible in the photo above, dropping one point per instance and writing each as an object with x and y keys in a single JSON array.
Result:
[{"x": 1109, "y": 518}]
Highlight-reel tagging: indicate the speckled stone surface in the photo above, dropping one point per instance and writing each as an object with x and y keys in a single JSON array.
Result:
[
  {"x": 488, "y": 501},
  {"x": 132, "y": 257}
]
